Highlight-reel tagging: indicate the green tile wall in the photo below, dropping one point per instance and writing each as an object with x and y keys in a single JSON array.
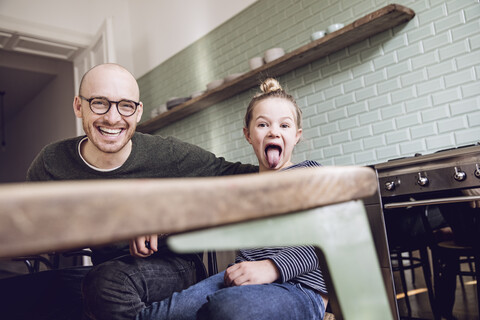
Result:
[{"x": 414, "y": 88}]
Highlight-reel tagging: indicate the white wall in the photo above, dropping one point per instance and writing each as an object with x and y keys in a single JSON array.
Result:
[{"x": 146, "y": 32}]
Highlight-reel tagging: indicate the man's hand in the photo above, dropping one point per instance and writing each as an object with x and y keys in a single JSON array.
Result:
[
  {"x": 251, "y": 272},
  {"x": 139, "y": 249}
]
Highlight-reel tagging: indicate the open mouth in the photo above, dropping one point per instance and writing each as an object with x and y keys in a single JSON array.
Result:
[
  {"x": 273, "y": 153},
  {"x": 110, "y": 132}
]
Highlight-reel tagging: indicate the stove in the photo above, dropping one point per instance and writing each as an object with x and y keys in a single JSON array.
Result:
[{"x": 443, "y": 171}]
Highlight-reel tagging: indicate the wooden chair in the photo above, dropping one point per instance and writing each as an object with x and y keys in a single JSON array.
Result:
[{"x": 314, "y": 206}]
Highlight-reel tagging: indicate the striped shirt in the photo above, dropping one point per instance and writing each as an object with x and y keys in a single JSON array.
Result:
[{"x": 296, "y": 264}]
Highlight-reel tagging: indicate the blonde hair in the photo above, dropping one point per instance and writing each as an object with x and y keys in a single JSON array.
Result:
[{"x": 271, "y": 88}]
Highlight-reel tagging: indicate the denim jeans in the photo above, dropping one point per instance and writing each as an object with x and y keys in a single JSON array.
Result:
[
  {"x": 210, "y": 299},
  {"x": 121, "y": 288}
]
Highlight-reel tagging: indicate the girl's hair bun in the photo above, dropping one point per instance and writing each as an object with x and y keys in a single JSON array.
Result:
[{"x": 270, "y": 85}]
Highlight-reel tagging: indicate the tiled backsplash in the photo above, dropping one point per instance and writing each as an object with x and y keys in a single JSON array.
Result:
[{"x": 414, "y": 88}]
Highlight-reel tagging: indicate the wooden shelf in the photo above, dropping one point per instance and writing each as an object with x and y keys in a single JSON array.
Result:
[{"x": 367, "y": 26}]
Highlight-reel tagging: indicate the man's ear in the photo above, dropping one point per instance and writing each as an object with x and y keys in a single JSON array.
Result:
[
  {"x": 139, "y": 111},
  {"x": 77, "y": 107},
  {"x": 246, "y": 133}
]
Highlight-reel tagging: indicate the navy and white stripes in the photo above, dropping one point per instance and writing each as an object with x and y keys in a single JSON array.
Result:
[{"x": 296, "y": 264}]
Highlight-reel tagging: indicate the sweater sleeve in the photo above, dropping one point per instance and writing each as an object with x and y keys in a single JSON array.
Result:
[
  {"x": 294, "y": 261},
  {"x": 193, "y": 161}
]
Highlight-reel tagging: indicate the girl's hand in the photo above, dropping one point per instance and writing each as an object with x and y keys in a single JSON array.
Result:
[
  {"x": 138, "y": 246},
  {"x": 251, "y": 272}
]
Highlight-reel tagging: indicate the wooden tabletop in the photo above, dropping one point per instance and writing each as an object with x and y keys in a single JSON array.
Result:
[{"x": 41, "y": 217}]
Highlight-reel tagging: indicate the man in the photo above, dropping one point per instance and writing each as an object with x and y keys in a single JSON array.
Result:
[{"x": 120, "y": 284}]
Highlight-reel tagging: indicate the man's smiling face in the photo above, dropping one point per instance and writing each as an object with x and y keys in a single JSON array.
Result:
[{"x": 110, "y": 132}]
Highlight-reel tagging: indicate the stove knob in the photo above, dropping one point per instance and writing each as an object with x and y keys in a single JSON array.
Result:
[
  {"x": 459, "y": 175},
  {"x": 390, "y": 185},
  {"x": 477, "y": 171},
  {"x": 422, "y": 181}
]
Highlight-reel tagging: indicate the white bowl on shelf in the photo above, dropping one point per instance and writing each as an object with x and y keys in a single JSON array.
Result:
[
  {"x": 256, "y": 62},
  {"x": 215, "y": 84},
  {"x": 197, "y": 94},
  {"x": 318, "y": 34},
  {"x": 334, "y": 27},
  {"x": 273, "y": 54},
  {"x": 233, "y": 76}
]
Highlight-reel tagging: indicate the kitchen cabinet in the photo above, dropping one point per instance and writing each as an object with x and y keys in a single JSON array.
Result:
[{"x": 373, "y": 23}]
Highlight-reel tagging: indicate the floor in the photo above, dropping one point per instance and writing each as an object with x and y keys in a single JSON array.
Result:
[{"x": 465, "y": 307}]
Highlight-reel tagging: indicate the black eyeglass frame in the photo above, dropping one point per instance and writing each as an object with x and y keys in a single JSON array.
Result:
[{"x": 110, "y": 105}]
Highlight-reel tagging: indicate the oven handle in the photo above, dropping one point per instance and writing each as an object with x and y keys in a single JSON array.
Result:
[{"x": 427, "y": 202}]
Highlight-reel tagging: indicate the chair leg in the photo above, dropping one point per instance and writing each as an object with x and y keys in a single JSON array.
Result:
[
  {"x": 401, "y": 269},
  {"x": 341, "y": 232},
  {"x": 428, "y": 282}
]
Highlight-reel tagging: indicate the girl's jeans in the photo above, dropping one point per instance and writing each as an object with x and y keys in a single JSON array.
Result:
[{"x": 210, "y": 299}]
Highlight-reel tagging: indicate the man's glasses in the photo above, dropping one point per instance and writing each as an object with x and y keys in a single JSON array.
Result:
[{"x": 102, "y": 105}]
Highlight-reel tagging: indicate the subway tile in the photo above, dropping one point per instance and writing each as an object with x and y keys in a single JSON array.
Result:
[
  {"x": 475, "y": 42},
  {"x": 438, "y": 41},
  {"x": 357, "y": 108},
  {"x": 441, "y": 69},
  {"x": 446, "y": 96},
  {"x": 469, "y": 29},
  {"x": 336, "y": 114},
  {"x": 340, "y": 137},
  {"x": 472, "y": 89},
  {"x": 388, "y": 86},
  {"x": 370, "y": 54},
  {"x": 315, "y": 98},
  {"x": 425, "y": 59},
  {"x": 392, "y": 111},
  {"x": 366, "y": 93},
  {"x": 369, "y": 117},
  {"x": 322, "y": 142},
  {"x": 341, "y": 77},
  {"x": 385, "y": 60},
  {"x": 456, "y": 5},
  {"x": 461, "y": 77},
  {"x": 413, "y": 50},
  {"x": 449, "y": 22},
  {"x": 467, "y": 136},
  {"x": 474, "y": 120},
  {"x": 330, "y": 69},
  {"x": 452, "y": 124},
  {"x": 408, "y": 120},
  {"x": 395, "y": 43},
  {"x": 399, "y": 69},
  {"x": 376, "y": 77},
  {"x": 344, "y": 100},
  {"x": 362, "y": 132},
  {"x": 344, "y": 160},
  {"x": 412, "y": 147},
  {"x": 435, "y": 113},
  {"x": 434, "y": 14},
  {"x": 397, "y": 136},
  {"x": 424, "y": 130},
  {"x": 411, "y": 78},
  {"x": 384, "y": 126},
  {"x": 366, "y": 157},
  {"x": 328, "y": 128},
  {"x": 421, "y": 33},
  {"x": 455, "y": 49},
  {"x": 430, "y": 86},
  {"x": 348, "y": 123},
  {"x": 380, "y": 101},
  {"x": 381, "y": 38},
  {"x": 374, "y": 142},
  {"x": 440, "y": 142},
  {"x": 403, "y": 94},
  {"x": 303, "y": 91},
  {"x": 350, "y": 62},
  {"x": 473, "y": 12},
  {"x": 353, "y": 146},
  {"x": 326, "y": 106},
  {"x": 311, "y": 133},
  {"x": 319, "y": 119},
  {"x": 465, "y": 106},
  {"x": 332, "y": 151},
  {"x": 388, "y": 152},
  {"x": 354, "y": 84},
  {"x": 468, "y": 60}
]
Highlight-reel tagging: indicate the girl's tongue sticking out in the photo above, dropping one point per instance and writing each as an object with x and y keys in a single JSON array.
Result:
[{"x": 272, "y": 153}]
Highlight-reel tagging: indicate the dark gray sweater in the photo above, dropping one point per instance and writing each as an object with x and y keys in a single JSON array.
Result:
[{"x": 152, "y": 156}]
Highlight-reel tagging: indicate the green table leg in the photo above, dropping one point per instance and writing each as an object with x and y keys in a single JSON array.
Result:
[{"x": 341, "y": 232}]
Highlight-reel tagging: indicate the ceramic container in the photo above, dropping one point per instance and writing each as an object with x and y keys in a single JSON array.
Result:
[
  {"x": 233, "y": 76},
  {"x": 273, "y": 54},
  {"x": 318, "y": 34},
  {"x": 197, "y": 94},
  {"x": 256, "y": 62},
  {"x": 214, "y": 84},
  {"x": 334, "y": 27}
]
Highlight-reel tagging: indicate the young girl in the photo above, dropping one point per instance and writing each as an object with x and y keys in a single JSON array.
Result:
[{"x": 265, "y": 283}]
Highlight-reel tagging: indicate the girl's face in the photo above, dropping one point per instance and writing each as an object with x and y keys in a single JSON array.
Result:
[{"x": 273, "y": 133}]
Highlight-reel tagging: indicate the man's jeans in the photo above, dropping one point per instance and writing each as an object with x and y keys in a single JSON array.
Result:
[
  {"x": 121, "y": 288},
  {"x": 212, "y": 300}
]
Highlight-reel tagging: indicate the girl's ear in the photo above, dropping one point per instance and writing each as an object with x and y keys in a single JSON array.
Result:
[
  {"x": 246, "y": 133},
  {"x": 298, "y": 135}
]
